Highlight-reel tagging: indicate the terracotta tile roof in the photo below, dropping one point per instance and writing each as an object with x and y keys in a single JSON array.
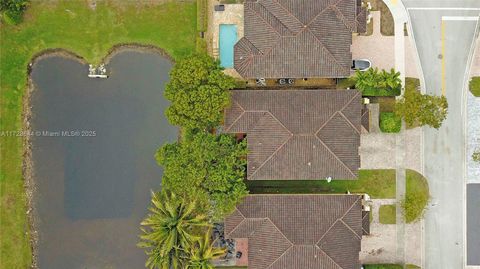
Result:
[
  {"x": 298, "y": 134},
  {"x": 300, "y": 231},
  {"x": 298, "y": 38}
]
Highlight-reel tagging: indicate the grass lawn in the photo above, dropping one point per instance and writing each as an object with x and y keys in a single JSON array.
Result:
[
  {"x": 344, "y": 83},
  {"x": 412, "y": 84},
  {"x": 416, "y": 196},
  {"x": 71, "y": 25},
  {"x": 412, "y": 266},
  {"x": 475, "y": 86},
  {"x": 377, "y": 183},
  {"x": 387, "y": 214}
]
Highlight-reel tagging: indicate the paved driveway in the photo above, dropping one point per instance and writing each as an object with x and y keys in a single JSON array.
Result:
[
  {"x": 381, "y": 245},
  {"x": 377, "y": 149},
  {"x": 380, "y": 50}
]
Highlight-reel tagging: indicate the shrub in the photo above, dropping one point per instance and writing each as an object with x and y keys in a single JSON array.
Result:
[
  {"x": 378, "y": 83},
  {"x": 12, "y": 10},
  {"x": 390, "y": 123},
  {"x": 474, "y": 86},
  {"x": 476, "y": 156}
]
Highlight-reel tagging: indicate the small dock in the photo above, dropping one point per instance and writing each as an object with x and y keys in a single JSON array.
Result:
[{"x": 97, "y": 72}]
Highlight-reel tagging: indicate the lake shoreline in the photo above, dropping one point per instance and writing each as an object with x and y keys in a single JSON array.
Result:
[{"x": 27, "y": 163}]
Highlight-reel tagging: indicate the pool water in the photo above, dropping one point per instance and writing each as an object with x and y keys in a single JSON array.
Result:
[{"x": 228, "y": 38}]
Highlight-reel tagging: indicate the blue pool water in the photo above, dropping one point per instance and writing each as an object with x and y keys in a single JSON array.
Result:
[{"x": 228, "y": 38}]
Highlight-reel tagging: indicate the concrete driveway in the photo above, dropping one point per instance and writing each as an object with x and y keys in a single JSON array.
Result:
[
  {"x": 380, "y": 246},
  {"x": 376, "y": 150},
  {"x": 380, "y": 50}
]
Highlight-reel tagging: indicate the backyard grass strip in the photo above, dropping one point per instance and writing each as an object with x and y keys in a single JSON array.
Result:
[
  {"x": 74, "y": 26},
  {"x": 377, "y": 183}
]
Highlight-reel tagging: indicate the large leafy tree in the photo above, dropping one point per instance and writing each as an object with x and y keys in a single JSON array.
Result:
[
  {"x": 208, "y": 167},
  {"x": 203, "y": 252},
  {"x": 168, "y": 230},
  {"x": 198, "y": 90},
  {"x": 422, "y": 109}
]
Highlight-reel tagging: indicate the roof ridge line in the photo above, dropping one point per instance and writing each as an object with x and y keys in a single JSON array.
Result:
[
  {"x": 329, "y": 257},
  {"x": 258, "y": 15},
  {"x": 325, "y": 48},
  {"x": 235, "y": 121},
  {"x": 321, "y": 12},
  {"x": 349, "y": 122},
  {"x": 281, "y": 146},
  {"x": 236, "y": 227},
  {"x": 335, "y": 155},
  {"x": 279, "y": 230},
  {"x": 285, "y": 252},
  {"x": 339, "y": 14},
  {"x": 351, "y": 230},
  {"x": 346, "y": 212},
  {"x": 339, "y": 219},
  {"x": 280, "y": 21},
  {"x": 288, "y": 11}
]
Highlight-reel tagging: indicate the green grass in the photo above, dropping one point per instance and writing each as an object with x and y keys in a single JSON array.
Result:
[
  {"x": 75, "y": 27},
  {"x": 475, "y": 86},
  {"x": 412, "y": 266},
  {"x": 390, "y": 123},
  {"x": 412, "y": 84},
  {"x": 344, "y": 83},
  {"x": 386, "y": 103},
  {"x": 383, "y": 266},
  {"x": 416, "y": 196},
  {"x": 387, "y": 214},
  {"x": 377, "y": 183}
]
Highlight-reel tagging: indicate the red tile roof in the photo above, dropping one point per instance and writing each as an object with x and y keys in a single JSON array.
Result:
[
  {"x": 298, "y": 38},
  {"x": 299, "y": 231},
  {"x": 298, "y": 134}
]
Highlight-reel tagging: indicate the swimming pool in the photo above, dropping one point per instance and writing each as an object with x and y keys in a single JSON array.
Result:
[{"x": 227, "y": 39}]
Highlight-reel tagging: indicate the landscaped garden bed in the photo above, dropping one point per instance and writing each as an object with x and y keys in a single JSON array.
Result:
[{"x": 390, "y": 123}]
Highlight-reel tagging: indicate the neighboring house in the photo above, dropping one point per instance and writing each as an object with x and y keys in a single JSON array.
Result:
[
  {"x": 298, "y": 134},
  {"x": 298, "y": 38},
  {"x": 299, "y": 231}
]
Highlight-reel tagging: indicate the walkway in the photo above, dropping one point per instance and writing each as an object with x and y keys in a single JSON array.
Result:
[{"x": 473, "y": 124}]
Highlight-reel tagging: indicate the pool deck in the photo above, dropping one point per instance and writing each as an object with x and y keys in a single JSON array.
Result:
[{"x": 233, "y": 14}]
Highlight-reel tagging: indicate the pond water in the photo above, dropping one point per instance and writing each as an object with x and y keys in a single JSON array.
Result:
[{"x": 93, "y": 158}]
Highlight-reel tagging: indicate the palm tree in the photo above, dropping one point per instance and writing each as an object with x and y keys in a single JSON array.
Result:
[
  {"x": 167, "y": 230},
  {"x": 203, "y": 252},
  {"x": 392, "y": 79}
]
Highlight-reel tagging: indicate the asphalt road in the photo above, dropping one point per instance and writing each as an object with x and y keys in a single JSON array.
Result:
[
  {"x": 448, "y": 41},
  {"x": 473, "y": 224}
]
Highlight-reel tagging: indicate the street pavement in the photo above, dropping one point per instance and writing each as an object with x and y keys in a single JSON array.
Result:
[{"x": 444, "y": 50}]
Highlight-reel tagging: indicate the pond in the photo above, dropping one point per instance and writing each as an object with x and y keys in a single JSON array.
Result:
[{"x": 93, "y": 158}]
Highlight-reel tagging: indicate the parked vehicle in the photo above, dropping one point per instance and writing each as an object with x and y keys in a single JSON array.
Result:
[{"x": 361, "y": 64}]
